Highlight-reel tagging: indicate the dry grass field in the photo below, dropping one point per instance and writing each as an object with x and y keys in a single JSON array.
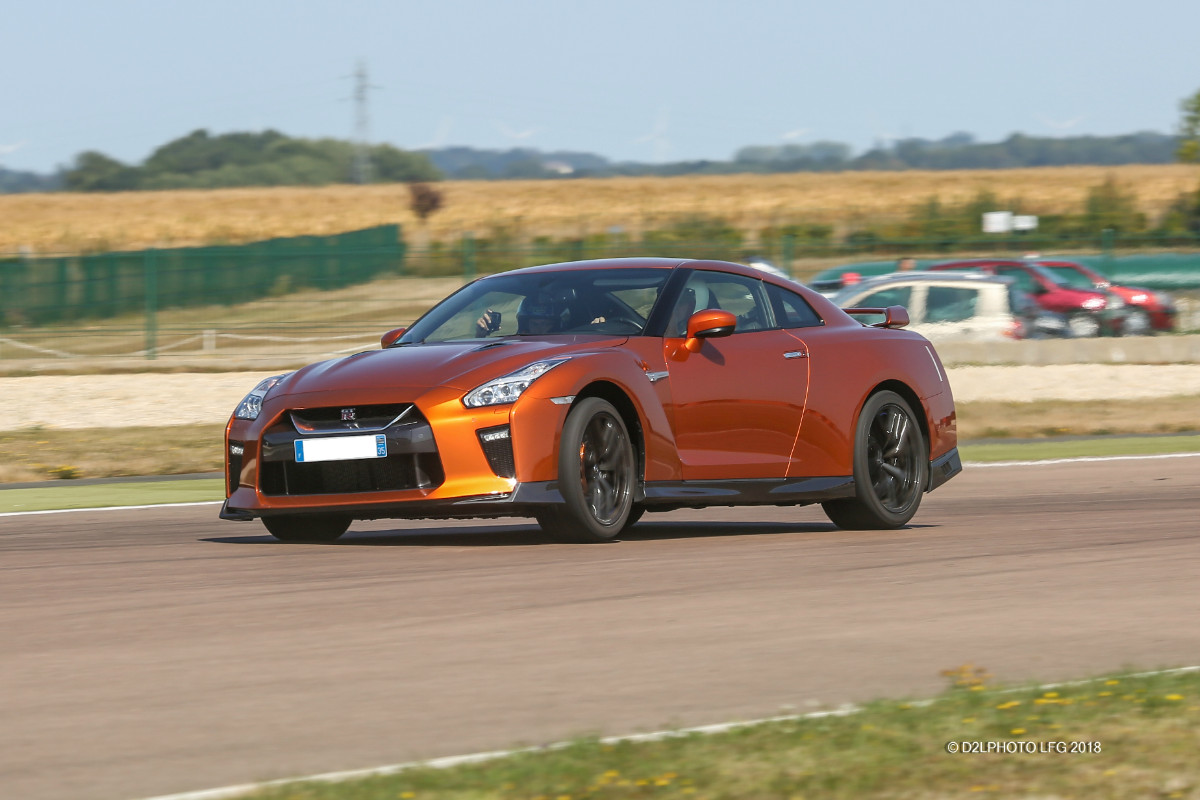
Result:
[{"x": 71, "y": 223}]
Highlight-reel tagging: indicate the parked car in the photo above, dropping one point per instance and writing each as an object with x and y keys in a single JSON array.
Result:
[
  {"x": 953, "y": 305},
  {"x": 585, "y": 394},
  {"x": 766, "y": 265},
  {"x": 1148, "y": 311},
  {"x": 1089, "y": 312}
]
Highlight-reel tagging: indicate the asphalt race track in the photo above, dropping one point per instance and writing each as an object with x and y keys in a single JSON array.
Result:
[{"x": 163, "y": 650}]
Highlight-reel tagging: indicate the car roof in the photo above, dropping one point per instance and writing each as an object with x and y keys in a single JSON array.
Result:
[
  {"x": 981, "y": 262},
  {"x": 929, "y": 277},
  {"x": 642, "y": 263}
]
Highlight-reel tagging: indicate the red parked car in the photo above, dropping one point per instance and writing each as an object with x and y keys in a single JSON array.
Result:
[
  {"x": 1090, "y": 312},
  {"x": 1148, "y": 310}
]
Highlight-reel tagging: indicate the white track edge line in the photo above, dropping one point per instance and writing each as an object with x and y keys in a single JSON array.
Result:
[
  {"x": 1077, "y": 460},
  {"x": 109, "y": 508},
  {"x": 226, "y": 792}
]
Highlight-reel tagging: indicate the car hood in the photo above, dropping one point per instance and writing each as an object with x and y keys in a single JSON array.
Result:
[{"x": 456, "y": 364}]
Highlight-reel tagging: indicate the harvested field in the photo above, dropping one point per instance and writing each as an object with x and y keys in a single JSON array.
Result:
[{"x": 67, "y": 222}]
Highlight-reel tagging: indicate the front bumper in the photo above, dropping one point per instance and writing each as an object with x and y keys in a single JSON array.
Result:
[{"x": 438, "y": 456}]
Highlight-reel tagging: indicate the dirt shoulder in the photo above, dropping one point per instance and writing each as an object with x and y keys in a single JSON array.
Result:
[{"x": 150, "y": 399}]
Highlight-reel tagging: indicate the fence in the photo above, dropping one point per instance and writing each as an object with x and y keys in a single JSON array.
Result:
[{"x": 291, "y": 300}]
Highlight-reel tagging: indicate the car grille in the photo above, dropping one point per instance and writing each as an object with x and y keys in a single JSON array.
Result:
[
  {"x": 394, "y": 473},
  {"x": 412, "y": 461},
  {"x": 349, "y": 418}
]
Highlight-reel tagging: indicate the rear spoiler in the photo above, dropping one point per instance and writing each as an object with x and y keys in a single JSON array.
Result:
[{"x": 893, "y": 316}]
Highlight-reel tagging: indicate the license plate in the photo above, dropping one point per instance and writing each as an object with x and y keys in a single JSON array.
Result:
[{"x": 341, "y": 448}]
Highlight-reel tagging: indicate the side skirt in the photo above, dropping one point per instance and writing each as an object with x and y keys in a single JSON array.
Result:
[
  {"x": 943, "y": 468},
  {"x": 667, "y": 495}
]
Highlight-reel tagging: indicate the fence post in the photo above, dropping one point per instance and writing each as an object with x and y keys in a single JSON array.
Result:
[
  {"x": 1107, "y": 236},
  {"x": 150, "y": 263},
  {"x": 468, "y": 257}
]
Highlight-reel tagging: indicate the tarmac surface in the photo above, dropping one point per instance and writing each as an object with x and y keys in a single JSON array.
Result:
[{"x": 163, "y": 650}]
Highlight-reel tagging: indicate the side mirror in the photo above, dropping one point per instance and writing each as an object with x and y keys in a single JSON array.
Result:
[
  {"x": 389, "y": 338},
  {"x": 708, "y": 324}
]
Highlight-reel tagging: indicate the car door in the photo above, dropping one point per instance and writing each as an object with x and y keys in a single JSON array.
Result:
[
  {"x": 951, "y": 311},
  {"x": 738, "y": 399}
]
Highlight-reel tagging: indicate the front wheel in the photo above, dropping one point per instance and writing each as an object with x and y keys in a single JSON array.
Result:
[
  {"x": 597, "y": 473},
  {"x": 314, "y": 528},
  {"x": 1137, "y": 323},
  {"x": 1083, "y": 326},
  {"x": 891, "y": 467}
]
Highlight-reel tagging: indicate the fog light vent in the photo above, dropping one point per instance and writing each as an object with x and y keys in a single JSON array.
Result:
[{"x": 497, "y": 447}]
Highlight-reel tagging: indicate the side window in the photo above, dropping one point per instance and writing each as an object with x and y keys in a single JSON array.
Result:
[
  {"x": 950, "y": 303},
  {"x": 791, "y": 310},
  {"x": 1023, "y": 279},
  {"x": 742, "y": 297},
  {"x": 891, "y": 296}
]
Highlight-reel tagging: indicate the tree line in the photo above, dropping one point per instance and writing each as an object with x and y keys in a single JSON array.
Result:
[
  {"x": 269, "y": 158},
  {"x": 202, "y": 161}
]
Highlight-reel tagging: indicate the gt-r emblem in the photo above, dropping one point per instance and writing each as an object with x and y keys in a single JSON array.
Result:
[{"x": 348, "y": 415}]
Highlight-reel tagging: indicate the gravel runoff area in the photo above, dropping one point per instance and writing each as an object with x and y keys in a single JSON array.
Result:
[{"x": 97, "y": 401}]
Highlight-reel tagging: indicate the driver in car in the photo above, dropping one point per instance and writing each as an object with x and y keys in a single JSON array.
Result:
[{"x": 536, "y": 315}]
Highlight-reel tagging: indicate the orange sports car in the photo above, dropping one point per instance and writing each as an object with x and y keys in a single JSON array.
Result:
[{"x": 586, "y": 394}]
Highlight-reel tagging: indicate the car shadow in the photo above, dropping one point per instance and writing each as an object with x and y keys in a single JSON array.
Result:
[{"x": 527, "y": 535}]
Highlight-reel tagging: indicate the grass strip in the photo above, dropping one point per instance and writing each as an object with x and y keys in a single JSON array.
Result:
[
  {"x": 104, "y": 495},
  {"x": 1080, "y": 448},
  {"x": 63, "y": 495},
  {"x": 1111, "y": 737}
]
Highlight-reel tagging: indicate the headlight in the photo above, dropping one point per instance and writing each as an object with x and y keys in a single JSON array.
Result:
[
  {"x": 508, "y": 388},
  {"x": 251, "y": 405},
  {"x": 1093, "y": 303}
]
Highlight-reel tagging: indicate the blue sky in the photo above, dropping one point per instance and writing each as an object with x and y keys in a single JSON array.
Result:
[{"x": 639, "y": 80}]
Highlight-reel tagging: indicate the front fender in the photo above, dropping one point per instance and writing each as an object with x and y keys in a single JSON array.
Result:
[{"x": 537, "y": 418}]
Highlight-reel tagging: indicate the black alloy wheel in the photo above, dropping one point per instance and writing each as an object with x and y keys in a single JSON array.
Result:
[
  {"x": 597, "y": 473},
  {"x": 312, "y": 528},
  {"x": 891, "y": 467}
]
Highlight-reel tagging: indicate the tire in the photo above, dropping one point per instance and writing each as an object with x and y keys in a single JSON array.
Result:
[
  {"x": 1083, "y": 325},
  {"x": 314, "y": 528},
  {"x": 891, "y": 467},
  {"x": 597, "y": 473},
  {"x": 1137, "y": 323}
]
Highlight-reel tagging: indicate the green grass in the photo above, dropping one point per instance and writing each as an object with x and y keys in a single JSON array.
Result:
[
  {"x": 1081, "y": 448},
  {"x": 64, "y": 495},
  {"x": 111, "y": 494},
  {"x": 1147, "y": 730}
]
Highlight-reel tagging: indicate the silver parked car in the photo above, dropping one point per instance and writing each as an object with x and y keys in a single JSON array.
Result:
[{"x": 953, "y": 305}]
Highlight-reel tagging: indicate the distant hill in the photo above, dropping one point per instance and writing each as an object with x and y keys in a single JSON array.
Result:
[
  {"x": 14, "y": 182},
  {"x": 270, "y": 158}
]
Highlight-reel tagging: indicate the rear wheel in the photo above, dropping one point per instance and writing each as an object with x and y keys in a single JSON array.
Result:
[
  {"x": 1083, "y": 325},
  {"x": 891, "y": 467},
  {"x": 597, "y": 473},
  {"x": 309, "y": 528},
  {"x": 1137, "y": 323}
]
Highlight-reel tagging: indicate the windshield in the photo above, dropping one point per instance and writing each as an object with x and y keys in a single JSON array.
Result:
[
  {"x": 599, "y": 301},
  {"x": 1069, "y": 276}
]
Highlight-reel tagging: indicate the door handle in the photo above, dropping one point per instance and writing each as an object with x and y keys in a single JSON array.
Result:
[{"x": 796, "y": 354}]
